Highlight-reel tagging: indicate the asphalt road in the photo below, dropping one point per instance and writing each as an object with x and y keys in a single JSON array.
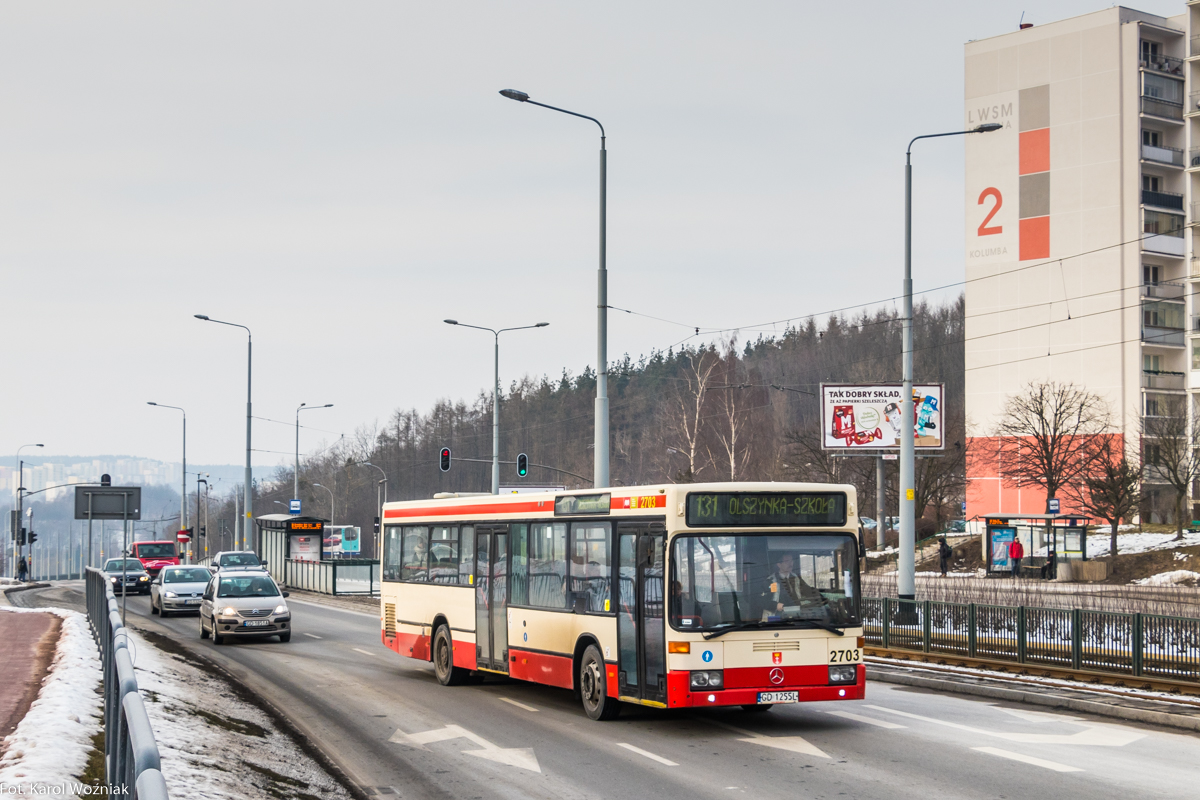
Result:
[{"x": 394, "y": 729}]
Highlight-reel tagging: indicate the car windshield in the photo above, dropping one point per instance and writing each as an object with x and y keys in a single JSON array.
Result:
[
  {"x": 257, "y": 586},
  {"x": 239, "y": 560},
  {"x": 123, "y": 564},
  {"x": 161, "y": 550},
  {"x": 190, "y": 575},
  {"x": 724, "y": 580}
]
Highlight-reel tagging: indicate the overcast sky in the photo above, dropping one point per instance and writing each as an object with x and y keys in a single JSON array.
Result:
[{"x": 341, "y": 177}]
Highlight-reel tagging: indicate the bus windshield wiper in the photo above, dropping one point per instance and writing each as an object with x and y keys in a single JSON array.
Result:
[
  {"x": 825, "y": 626},
  {"x": 803, "y": 623}
]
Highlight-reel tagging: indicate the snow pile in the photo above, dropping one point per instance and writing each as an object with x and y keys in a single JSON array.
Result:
[
  {"x": 887, "y": 551},
  {"x": 1140, "y": 543},
  {"x": 1176, "y": 577},
  {"x": 214, "y": 745},
  {"x": 50, "y": 746}
]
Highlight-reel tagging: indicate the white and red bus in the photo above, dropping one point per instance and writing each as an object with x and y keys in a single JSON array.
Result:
[{"x": 689, "y": 595}]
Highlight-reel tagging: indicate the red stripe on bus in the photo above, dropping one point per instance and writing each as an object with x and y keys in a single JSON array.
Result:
[
  {"x": 541, "y": 668},
  {"x": 477, "y": 508}
]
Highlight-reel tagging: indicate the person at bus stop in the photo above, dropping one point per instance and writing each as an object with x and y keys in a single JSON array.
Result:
[
  {"x": 1016, "y": 551},
  {"x": 789, "y": 588},
  {"x": 944, "y": 553},
  {"x": 22, "y": 569}
]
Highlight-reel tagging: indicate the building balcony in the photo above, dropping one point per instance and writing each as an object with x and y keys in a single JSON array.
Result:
[
  {"x": 1169, "y": 200},
  {"x": 1157, "y": 379},
  {"x": 1163, "y": 244},
  {"x": 1164, "y": 109},
  {"x": 1162, "y": 337},
  {"x": 1164, "y": 64},
  {"x": 1164, "y": 290},
  {"x": 1171, "y": 156}
]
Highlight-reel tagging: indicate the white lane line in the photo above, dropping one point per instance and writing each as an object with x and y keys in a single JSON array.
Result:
[
  {"x": 1037, "y": 762},
  {"x": 859, "y": 718},
  {"x": 648, "y": 755},
  {"x": 313, "y": 636},
  {"x": 518, "y": 705},
  {"x": 364, "y": 652}
]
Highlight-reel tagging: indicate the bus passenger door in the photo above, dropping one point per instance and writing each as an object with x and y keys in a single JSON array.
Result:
[
  {"x": 491, "y": 598},
  {"x": 641, "y": 656}
]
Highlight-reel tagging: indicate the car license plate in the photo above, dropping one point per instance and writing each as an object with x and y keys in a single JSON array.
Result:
[
  {"x": 778, "y": 697},
  {"x": 262, "y": 623},
  {"x": 191, "y": 602}
]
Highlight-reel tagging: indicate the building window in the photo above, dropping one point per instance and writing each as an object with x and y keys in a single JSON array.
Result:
[
  {"x": 1162, "y": 315},
  {"x": 1196, "y": 355},
  {"x": 1163, "y": 224},
  {"x": 1151, "y": 363},
  {"x": 1150, "y": 51},
  {"x": 1162, "y": 88},
  {"x": 1151, "y": 183},
  {"x": 1152, "y": 138},
  {"x": 1150, "y": 274},
  {"x": 1153, "y": 454}
]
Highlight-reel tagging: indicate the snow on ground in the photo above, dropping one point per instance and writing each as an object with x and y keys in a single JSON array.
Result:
[
  {"x": 1097, "y": 544},
  {"x": 50, "y": 745},
  {"x": 1175, "y": 577},
  {"x": 215, "y": 745}
]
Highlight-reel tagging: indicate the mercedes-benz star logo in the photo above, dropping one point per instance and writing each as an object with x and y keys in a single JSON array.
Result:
[{"x": 777, "y": 676}]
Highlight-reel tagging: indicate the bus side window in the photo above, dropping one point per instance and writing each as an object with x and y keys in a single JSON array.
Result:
[
  {"x": 518, "y": 575},
  {"x": 416, "y": 553},
  {"x": 466, "y": 556},
  {"x": 590, "y": 570},
  {"x": 391, "y": 553},
  {"x": 548, "y": 565},
  {"x": 443, "y": 554}
]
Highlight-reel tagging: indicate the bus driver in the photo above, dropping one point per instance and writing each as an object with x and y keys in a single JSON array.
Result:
[{"x": 789, "y": 589}]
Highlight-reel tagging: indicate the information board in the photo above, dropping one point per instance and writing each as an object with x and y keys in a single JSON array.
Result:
[{"x": 867, "y": 417}]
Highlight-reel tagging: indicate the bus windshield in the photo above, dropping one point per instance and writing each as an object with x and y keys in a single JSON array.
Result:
[{"x": 801, "y": 580}]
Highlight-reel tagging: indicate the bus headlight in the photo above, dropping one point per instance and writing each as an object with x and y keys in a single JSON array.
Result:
[
  {"x": 708, "y": 679},
  {"x": 843, "y": 673}
]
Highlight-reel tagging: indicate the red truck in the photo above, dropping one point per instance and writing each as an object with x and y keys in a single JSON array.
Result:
[{"x": 154, "y": 555}]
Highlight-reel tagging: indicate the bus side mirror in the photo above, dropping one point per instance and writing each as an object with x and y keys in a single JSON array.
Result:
[{"x": 862, "y": 541}]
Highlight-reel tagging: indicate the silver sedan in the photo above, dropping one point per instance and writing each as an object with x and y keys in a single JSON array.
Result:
[{"x": 178, "y": 589}]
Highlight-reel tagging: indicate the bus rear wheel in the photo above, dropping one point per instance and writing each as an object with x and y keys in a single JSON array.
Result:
[
  {"x": 443, "y": 659},
  {"x": 593, "y": 687}
]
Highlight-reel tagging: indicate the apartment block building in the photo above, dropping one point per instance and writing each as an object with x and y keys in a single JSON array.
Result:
[{"x": 1080, "y": 259}]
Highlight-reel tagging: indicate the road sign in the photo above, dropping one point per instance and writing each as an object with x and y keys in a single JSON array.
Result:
[
  {"x": 294, "y": 506},
  {"x": 108, "y": 502},
  {"x": 1052, "y": 505}
]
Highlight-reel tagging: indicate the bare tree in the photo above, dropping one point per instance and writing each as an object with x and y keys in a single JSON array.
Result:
[
  {"x": 1048, "y": 434},
  {"x": 685, "y": 410},
  {"x": 1169, "y": 452},
  {"x": 1111, "y": 489}
]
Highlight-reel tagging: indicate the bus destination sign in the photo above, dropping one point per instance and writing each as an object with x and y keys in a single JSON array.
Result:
[{"x": 742, "y": 509}]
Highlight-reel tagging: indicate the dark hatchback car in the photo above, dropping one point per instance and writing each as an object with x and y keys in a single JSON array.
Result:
[{"x": 127, "y": 575}]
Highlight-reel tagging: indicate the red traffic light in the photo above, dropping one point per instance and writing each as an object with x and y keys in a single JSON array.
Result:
[{"x": 444, "y": 461}]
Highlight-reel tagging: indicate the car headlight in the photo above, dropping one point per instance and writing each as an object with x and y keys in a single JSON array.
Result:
[
  {"x": 169, "y": 594},
  {"x": 281, "y": 609},
  {"x": 708, "y": 679},
  {"x": 229, "y": 611},
  {"x": 144, "y": 578},
  {"x": 114, "y": 580},
  {"x": 843, "y": 673}
]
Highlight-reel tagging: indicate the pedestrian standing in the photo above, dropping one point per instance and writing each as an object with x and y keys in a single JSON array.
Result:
[
  {"x": 22, "y": 569},
  {"x": 1016, "y": 551},
  {"x": 944, "y": 553}
]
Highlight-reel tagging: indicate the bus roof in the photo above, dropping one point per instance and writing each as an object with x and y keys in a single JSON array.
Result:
[{"x": 622, "y": 501}]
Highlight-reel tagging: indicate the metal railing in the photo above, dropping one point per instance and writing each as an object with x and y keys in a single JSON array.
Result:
[
  {"x": 1137, "y": 645},
  {"x": 1170, "y": 200},
  {"x": 1166, "y": 64},
  {"x": 1165, "y": 290},
  {"x": 1162, "y": 380},
  {"x": 1161, "y": 108},
  {"x": 131, "y": 762},
  {"x": 1162, "y": 154},
  {"x": 341, "y": 577}
]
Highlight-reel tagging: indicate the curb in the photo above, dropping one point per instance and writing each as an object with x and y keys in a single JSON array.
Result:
[{"x": 1144, "y": 715}]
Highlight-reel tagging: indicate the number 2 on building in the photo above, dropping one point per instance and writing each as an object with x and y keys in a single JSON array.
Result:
[{"x": 984, "y": 230}]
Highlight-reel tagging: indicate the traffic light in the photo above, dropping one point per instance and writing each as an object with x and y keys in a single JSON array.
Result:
[
  {"x": 21, "y": 539},
  {"x": 445, "y": 459},
  {"x": 377, "y": 526},
  {"x": 204, "y": 530},
  {"x": 522, "y": 465},
  {"x": 32, "y": 537}
]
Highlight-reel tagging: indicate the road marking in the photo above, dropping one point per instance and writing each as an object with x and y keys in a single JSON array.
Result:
[
  {"x": 364, "y": 652},
  {"x": 518, "y": 705},
  {"x": 312, "y": 636},
  {"x": 858, "y": 718},
  {"x": 1094, "y": 734},
  {"x": 521, "y": 757},
  {"x": 794, "y": 744},
  {"x": 647, "y": 754},
  {"x": 1037, "y": 762}
]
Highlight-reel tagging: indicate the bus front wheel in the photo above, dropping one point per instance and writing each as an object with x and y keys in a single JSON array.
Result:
[
  {"x": 594, "y": 687},
  {"x": 443, "y": 659}
]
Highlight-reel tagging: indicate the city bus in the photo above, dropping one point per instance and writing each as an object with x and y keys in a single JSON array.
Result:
[{"x": 674, "y": 596}]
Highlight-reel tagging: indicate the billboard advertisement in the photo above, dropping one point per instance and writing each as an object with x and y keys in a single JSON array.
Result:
[{"x": 867, "y": 417}]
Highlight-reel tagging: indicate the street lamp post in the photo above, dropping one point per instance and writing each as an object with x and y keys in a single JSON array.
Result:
[
  {"x": 326, "y": 488},
  {"x": 379, "y": 501},
  {"x": 16, "y": 548},
  {"x": 196, "y": 537},
  {"x": 183, "y": 488},
  {"x": 296, "y": 483},
  {"x": 249, "y": 487},
  {"x": 601, "y": 434},
  {"x": 907, "y": 581},
  {"x": 496, "y": 394}
]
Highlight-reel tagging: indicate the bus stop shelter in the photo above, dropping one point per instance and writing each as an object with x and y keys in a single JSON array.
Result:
[
  {"x": 1047, "y": 539},
  {"x": 293, "y": 550}
]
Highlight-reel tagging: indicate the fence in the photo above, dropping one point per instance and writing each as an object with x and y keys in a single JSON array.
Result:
[
  {"x": 131, "y": 762},
  {"x": 344, "y": 576},
  {"x": 1136, "y": 645}
]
